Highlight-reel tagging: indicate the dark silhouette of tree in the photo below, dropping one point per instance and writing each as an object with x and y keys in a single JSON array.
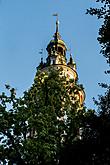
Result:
[
  {"x": 103, "y": 13},
  {"x": 94, "y": 146}
]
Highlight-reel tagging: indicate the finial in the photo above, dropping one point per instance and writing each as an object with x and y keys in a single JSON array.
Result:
[
  {"x": 71, "y": 62},
  {"x": 57, "y": 22},
  {"x": 57, "y": 35},
  {"x": 71, "y": 59}
]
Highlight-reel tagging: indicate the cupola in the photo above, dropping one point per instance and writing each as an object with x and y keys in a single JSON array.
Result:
[{"x": 56, "y": 48}]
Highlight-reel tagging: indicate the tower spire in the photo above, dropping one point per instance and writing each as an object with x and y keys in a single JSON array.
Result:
[
  {"x": 57, "y": 35},
  {"x": 57, "y": 22}
]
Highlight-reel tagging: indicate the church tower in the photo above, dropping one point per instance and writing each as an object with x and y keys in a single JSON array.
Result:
[{"x": 57, "y": 59}]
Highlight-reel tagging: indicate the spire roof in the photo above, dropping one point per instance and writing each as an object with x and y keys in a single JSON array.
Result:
[{"x": 57, "y": 35}]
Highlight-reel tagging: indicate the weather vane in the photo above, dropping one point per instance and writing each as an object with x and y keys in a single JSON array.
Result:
[{"x": 56, "y": 15}]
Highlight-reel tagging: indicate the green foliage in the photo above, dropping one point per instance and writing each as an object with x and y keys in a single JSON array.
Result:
[
  {"x": 94, "y": 146},
  {"x": 95, "y": 137},
  {"x": 35, "y": 129},
  {"x": 104, "y": 32}
]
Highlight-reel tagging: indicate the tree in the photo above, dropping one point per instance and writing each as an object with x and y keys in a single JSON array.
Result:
[
  {"x": 94, "y": 146},
  {"x": 101, "y": 125},
  {"x": 104, "y": 32},
  {"x": 96, "y": 126},
  {"x": 35, "y": 129}
]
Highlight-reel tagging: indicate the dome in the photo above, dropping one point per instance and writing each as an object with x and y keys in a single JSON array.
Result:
[{"x": 58, "y": 42}]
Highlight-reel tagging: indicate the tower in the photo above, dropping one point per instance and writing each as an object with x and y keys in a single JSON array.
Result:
[{"x": 56, "y": 59}]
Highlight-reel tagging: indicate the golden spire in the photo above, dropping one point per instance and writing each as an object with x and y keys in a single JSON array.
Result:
[
  {"x": 57, "y": 35},
  {"x": 57, "y": 22}
]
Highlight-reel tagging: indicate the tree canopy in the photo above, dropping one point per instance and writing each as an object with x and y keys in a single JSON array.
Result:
[
  {"x": 35, "y": 128},
  {"x": 94, "y": 146}
]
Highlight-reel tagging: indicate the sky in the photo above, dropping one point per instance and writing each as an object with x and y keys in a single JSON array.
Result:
[{"x": 27, "y": 26}]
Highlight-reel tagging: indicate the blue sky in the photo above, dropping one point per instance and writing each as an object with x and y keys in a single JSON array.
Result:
[{"x": 26, "y": 26}]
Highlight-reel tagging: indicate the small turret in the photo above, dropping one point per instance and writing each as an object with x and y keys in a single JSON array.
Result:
[{"x": 71, "y": 63}]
